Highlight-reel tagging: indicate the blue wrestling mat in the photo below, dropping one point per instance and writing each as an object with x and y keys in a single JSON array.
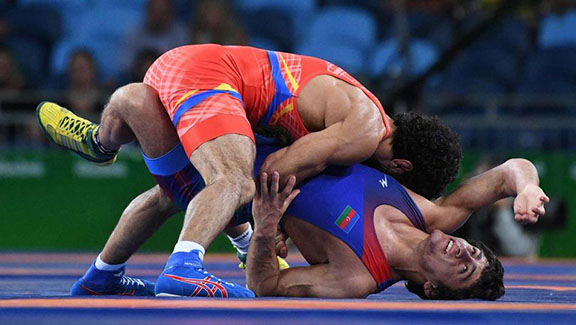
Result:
[{"x": 34, "y": 290}]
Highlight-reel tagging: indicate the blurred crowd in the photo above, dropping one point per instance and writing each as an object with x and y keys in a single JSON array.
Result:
[
  {"x": 77, "y": 52},
  {"x": 468, "y": 56}
]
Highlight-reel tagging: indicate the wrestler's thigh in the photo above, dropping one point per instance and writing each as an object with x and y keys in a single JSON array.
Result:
[{"x": 229, "y": 155}]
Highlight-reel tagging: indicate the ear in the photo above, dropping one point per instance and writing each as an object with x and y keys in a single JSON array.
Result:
[
  {"x": 398, "y": 166},
  {"x": 429, "y": 289}
]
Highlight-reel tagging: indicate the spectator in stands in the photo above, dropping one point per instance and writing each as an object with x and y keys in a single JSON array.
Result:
[
  {"x": 143, "y": 61},
  {"x": 216, "y": 22},
  {"x": 30, "y": 135},
  {"x": 4, "y": 28},
  {"x": 11, "y": 77},
  {"x": 559, "y": 6},
  {"x": 83, "y": 91},
  {"x": 437, "y": 6},
  {"x": 160, "y": 31}
]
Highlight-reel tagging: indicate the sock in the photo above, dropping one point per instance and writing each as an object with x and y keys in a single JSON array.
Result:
[
  {"x": 242, "y": 242},
  {"x": 103, "y": 266},
  {"x": 99, "y": 146},
  {"x": 188, "y": 246}
]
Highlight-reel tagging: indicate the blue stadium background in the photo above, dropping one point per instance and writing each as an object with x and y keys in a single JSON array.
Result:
[{"x": 501, "y": 73}]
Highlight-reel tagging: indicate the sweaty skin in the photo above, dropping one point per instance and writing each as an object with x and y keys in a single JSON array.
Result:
[{"x": 346, "y": 127}]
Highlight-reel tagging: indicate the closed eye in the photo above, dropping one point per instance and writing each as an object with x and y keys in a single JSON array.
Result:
[{"x": 470, "y": 273}]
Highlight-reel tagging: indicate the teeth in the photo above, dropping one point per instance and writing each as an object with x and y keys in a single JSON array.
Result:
[{"x": 450, "y": 243}]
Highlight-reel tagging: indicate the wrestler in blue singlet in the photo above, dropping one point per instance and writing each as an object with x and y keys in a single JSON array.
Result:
[{"x": 340, "y": 200}]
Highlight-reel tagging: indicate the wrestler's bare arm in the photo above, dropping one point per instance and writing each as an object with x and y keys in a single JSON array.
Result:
[
  {"x": 515, "y": 177},
  {"x": 352, "y": 130},
  {"x": 262, "y": 273}
]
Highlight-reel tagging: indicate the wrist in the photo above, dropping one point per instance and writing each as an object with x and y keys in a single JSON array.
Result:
[
  {"x": 528, "y": 188},
  {"x": 264, "y": 231}
]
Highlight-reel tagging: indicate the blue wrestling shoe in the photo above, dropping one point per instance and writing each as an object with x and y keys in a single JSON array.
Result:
[
  {"x": 184, "y": 275},
  {"x": 97, "y": 282}
]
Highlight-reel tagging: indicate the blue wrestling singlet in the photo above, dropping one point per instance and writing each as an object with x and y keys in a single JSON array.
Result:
[{"x": 341, "y": 200}]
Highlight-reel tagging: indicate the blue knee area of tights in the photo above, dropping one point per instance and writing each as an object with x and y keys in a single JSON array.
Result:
[{"x": 168, "y": 164}]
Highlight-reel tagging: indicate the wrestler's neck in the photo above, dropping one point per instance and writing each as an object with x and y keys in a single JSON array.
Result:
[
  {"x": 404, "y": 254},
  {"x": 384, "y": 154}
]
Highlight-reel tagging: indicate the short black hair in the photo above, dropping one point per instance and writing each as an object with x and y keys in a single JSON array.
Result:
[
  {"x": 433, "y": 149},
  {"x": 490, "y": 286}
]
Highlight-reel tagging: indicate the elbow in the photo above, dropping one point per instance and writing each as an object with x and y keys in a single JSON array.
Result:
[
  {"x": 262, "y": 291},
  {"x": 520, "y": 166},
  {"x": 518, "y": 171},
  {"x": 517, "y": 163},
  {"x": 261, "y": 288}
]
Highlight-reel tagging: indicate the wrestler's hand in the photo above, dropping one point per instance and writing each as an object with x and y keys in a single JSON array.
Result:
[
  {"x": 529, "y": 204},
  {"x": 281, "y": 248},
  {"x": 269, "y": 204}
]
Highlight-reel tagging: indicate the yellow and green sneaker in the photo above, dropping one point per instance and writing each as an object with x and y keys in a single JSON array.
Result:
[{"x": 67, "y": 130}]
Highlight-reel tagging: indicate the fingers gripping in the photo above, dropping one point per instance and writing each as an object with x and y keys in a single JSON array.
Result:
[
  {"x": 270, "y": 200},
  {"x": 529, "y": 205}
]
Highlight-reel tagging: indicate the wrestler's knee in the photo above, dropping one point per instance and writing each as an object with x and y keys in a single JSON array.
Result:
[
  {"x": 163, "y": 201},
  {"x": 133, "y": 97},
  {"x": 248, "y": 190},
  {"x": 239, "y": 185}
]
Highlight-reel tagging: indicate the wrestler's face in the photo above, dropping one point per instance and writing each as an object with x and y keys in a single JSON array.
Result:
[{"x": 451, "y": 261}]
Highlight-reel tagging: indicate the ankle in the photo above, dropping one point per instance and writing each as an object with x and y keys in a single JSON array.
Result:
[
  {"x": 103, "y": 266},
  {"x": 98, "y": 144},
  {"x": 242, "y": 241}
]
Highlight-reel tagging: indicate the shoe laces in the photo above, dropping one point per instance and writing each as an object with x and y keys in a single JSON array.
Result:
[
  {"x": 127, "y": 282},
  {"x": 75, "y": 128},
  {"x": 215, "y": 278},
  {"x": 203, "y": 270}
]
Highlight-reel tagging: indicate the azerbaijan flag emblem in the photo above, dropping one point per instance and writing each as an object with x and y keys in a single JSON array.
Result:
[{"x": 347, "y": 219}]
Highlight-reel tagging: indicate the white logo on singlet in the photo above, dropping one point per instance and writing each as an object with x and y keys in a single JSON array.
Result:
[{"x": 384, "y": 182}]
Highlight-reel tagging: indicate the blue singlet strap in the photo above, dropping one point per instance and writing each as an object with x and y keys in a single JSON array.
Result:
[{"x": 282, "y": 91}]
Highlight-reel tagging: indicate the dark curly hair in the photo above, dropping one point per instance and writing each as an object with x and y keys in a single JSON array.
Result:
[
  {"x": 433, "y": 149},
  {"x": 490, "y": 286}
]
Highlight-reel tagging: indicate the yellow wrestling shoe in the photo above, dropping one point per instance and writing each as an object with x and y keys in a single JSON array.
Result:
[
  {"x": 282, "y": 264},
  {"x": 67, "y": 130}
]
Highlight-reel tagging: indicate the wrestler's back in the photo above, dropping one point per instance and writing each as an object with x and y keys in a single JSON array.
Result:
[
  {"x": 321, "y": 98},
  {"x": 326, "y": 99}
]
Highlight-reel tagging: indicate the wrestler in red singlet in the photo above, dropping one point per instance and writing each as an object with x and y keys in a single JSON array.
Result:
[{"x": 211, "y": 90}]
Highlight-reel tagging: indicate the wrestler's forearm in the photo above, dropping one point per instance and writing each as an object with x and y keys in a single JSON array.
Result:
[
  {"x": 295, "y": 160},
  {"x": 311, "y": 154},
  {"x": 503, "y": 181},
  {"x": 262, "y": 271}
]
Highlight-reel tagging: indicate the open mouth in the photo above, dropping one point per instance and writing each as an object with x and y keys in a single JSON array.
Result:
[{"x": 449, "y": 246}]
